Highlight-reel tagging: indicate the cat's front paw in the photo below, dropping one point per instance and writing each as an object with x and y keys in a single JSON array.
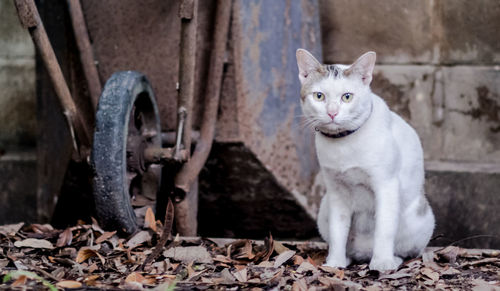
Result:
[
  {"x": 337, "y": 262},
  {"x": 385, "y": 264}
]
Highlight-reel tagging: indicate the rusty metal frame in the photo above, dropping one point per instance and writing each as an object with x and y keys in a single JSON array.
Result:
[
  {"x": 192, "y": 168},
  {"x": 85, "y": 50},
  {"x": 80, "y": 131},
  {"x": 188, "y": 12}
]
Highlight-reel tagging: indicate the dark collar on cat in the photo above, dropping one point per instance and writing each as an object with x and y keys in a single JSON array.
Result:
[{"x": 338, "y": 135}]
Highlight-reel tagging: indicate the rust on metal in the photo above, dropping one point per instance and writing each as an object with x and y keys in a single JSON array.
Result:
[
  {"x": 27, "y": 16},
  {"x": 186, "y": 9},
  {"x": 190, "y": 170},
  {"x": 169, "y": 137},
  {"x": 158, "y": 155},
  {"x": 79, "y": 130},
  {"x": 85, "y": 50}
]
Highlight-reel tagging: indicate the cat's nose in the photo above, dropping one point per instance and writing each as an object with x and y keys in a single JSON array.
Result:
[{"x": 332, "y": 116}]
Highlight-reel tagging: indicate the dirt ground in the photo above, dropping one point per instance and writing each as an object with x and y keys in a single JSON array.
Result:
[{"x": 85, "y": 257}]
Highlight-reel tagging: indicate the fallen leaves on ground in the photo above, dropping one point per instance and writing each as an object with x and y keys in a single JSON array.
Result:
[{"x": 85, "y": 256}]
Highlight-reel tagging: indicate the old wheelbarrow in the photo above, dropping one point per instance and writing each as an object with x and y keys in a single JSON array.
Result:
[{"x": 125, "y": 151}]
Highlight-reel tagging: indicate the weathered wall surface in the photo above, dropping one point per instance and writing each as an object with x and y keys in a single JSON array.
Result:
[
  {"x": 17, "y": 81},
  {"x": 17, "y": 119},
  {"x": 438, "y": 66}
]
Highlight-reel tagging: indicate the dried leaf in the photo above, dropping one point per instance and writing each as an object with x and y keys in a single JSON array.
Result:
[
  {"x": 241, "y": 249},
  {"x": 299, "y": 285},
  {"x": 20, "y": 281},
  {"x": 95, "y": 225},
  {"x": 34, "y": 243},
  {"x": 65, "y": 238},
  {"x": 306, "y": 266},
  {"x": 297, "y": 260},
  {"x": 429, "y": 273},
  {"x": 68, "y": 284},
  {"x": 149, "y": 219},
  {"x": 395, "y": 276},
  {"x": 449, "y": 254},
  {"x": 268, "y": 249},
  {"x": 10, "y": 229},
  {"x": 482, "y": 285},
  {"x": 138, "y": 239},
  {"x": 149, "y": 280},
  {"x": 222, "y": 259},
  {"x": 41, "y": 228},
  {"x": 485, "y": 261},
  {"x": 240, "y": 267},
  {"x": 105, "y": 236},
  {"x": 3, "y": 263},
  {"x": 91, "y": 280},
  {"x": 336, "y": 271},
  {"x": 313, "y": 262},
  {"x": 491, "y": 253},
  {"x": 241, "y": 275},
  {"x": 196, "y": 254},
  {"x": 374, "y": 288},
  {"x": 280, "y": 248},
  {"x": 266, "y": 264},
  {"x": 337, "y": 284},
  {"x": 93, "y": 268},
  {"x": 227, "y": 277},
  {"x": 283, "y": 257},
  {"x": 85, "y": 253},
  {"x": 135, "y": 277},
  {"x": 450, "y": 272}
]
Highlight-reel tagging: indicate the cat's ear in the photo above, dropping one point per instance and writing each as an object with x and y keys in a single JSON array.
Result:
[
  {"x": 307, "y": 64},
  {"x": 363, "y": 67}
]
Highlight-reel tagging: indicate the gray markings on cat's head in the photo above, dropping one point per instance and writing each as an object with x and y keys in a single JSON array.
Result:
[{"x": 334, "y": 71}]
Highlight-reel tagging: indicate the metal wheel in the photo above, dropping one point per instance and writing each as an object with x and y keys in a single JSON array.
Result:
[{"x": 127, "y": 122}]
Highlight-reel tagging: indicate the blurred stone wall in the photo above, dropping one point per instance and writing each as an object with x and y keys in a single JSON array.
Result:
[
  {"x": 17, "y": 119},
  {"x": 438, "y": 66}
]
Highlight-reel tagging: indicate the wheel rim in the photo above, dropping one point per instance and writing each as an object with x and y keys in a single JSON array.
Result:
[{"x": 142, "y": 178}]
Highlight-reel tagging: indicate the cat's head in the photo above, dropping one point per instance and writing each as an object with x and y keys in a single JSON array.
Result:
[{"x": 335, "y": 98}]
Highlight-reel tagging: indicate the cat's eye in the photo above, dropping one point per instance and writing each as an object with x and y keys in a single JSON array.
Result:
[
  {"x": 319, "y": 96},
  {"x": 347, "y": 97}
]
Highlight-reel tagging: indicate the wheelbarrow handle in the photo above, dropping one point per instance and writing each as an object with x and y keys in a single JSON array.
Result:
[{"x": 30, "y": 19}]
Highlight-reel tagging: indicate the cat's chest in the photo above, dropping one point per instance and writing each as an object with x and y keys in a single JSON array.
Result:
[
  {"x": 345, "y": 154},
  {"x": 353, "y": 185},
  {"x": 349, "y": 178}
]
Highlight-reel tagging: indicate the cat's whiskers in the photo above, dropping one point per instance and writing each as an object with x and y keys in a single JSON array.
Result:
[{"x": 309, "y": 122}]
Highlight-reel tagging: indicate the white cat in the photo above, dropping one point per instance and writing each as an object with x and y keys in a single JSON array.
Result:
[{"x": 371, "y": 160}]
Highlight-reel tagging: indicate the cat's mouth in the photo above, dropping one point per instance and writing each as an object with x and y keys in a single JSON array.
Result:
[{"x": 330, "y": 127}]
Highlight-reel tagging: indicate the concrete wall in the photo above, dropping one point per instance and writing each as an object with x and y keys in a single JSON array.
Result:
[
  {"x": 17, "y": 81},
  {"x": 438, "y": 66},
  {"x": 17, "y": 119}
]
